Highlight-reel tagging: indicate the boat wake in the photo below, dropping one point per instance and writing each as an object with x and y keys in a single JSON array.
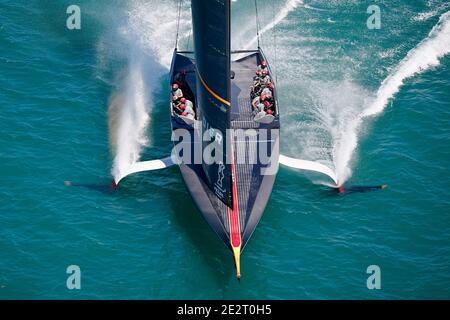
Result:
[
  {"x": 148, "y": 35},
  {"x": 288, "y": 7},
  {"x": 424, "y": 56},
  {"x": 128, "y": 118},
  {"x": 328, "y": 130},
  {"x": 330, "y": 126},
  {"x": 148, "y": 38}
]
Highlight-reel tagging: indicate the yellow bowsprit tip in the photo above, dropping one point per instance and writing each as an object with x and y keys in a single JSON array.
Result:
[{"x": 237, "y": 261}]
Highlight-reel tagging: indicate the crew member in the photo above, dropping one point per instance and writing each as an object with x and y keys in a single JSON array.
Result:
[
  {"x": 255, "y": 89},
  {"x": 267, "y": 92},
  {"x": 258, "y": 105},
  {"x": 187, "y": 112},
  {"x": 177, "y": 107},
  {"x": 261, "y": 67},
  {"x": 188, "y": 107},
  {"x": 177, "y": 94},
  {"x": 269, "y": 107},
  {"x": 265, "y": 78}
]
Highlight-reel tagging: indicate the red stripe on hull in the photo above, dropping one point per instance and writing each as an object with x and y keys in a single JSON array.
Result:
[{"x": 235, "y": 229}]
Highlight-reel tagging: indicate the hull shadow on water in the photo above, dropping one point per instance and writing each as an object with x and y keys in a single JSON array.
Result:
[
  {"x": 104, "y": 188},
  {"x": 189, "y": 221},
  {"x": 183, "y": 210},
  {"x": 213, "y": 252}
]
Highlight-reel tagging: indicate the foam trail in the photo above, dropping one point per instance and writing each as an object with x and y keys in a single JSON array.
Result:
[
  {"x": 148, "y": 37},
  {"x": 424, "y": 16},
  {"x": 154, "y": 25},
  {"x": 425, "y": 55},
  {"x": 284, "y": 12},
  {"x": 128, "y": 119}
]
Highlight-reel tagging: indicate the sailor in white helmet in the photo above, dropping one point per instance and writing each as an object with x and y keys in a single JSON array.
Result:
[
  {"x": 257, "y": 104},
  {"x": 265, "y": 78},
  {"x": 268, "y": 91},
  {"x": 177, "y": 94}
]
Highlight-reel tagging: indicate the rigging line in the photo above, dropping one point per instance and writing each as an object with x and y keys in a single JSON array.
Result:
[
  {"x": 257, "y": 21},
  {"x": 178, "y": 23},
  {"x": 275, "y": 43},
  {"x": 189, "y": 40}
]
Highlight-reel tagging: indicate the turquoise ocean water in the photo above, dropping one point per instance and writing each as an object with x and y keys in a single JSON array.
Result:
[{"x": 371, "y": 104}]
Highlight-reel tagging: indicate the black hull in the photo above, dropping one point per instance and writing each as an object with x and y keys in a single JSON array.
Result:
[{"x": 253, "y": 188}]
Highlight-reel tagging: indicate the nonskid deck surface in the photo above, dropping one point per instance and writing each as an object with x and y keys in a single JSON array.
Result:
[
  {"x": 241, "y": 110},
  {"x": 244, "y": 119},
  {"x": 247, "y": 176}
]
